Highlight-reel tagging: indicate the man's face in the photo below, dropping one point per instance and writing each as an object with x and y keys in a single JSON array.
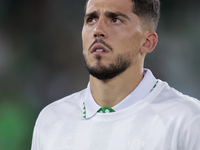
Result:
[{"x": 112, "y": 37}]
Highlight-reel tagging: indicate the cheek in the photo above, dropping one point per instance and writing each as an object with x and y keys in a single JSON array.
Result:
[
  {"x": 85, "y": 39},
  {"x": 84, "y": 43},
  {"x": 127, "y": 44},
  {"x": 83, "y": 36},
  {"x": 134, "y": 42},
  {"x": 128, "y": 38}
]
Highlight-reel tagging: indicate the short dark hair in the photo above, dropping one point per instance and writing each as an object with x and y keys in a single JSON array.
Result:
[{"x": 148, "y": 10}]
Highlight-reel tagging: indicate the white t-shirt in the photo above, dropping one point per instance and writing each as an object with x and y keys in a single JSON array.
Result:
[{"x": 164, "y": 120}]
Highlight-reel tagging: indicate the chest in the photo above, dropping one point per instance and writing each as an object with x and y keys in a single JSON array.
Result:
[{"x": 134, "y": 133}]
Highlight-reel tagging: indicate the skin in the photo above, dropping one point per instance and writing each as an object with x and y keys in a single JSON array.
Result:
[{"x": 125, "y": 34}]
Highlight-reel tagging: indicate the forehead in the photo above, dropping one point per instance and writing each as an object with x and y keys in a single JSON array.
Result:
[{"x": 122, "y": 6}]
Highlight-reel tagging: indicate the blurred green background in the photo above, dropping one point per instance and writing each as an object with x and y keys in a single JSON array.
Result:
[{"x": 41, "y": 58}]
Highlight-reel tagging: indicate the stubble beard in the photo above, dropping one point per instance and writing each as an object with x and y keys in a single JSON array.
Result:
[{"x": 101, "y": 72}]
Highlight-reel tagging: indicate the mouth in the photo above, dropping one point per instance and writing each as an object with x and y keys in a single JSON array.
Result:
[{"x": 99, "y": 49}]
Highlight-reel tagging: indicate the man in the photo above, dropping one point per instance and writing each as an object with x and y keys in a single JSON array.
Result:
[{"x": 124, "y": 107}]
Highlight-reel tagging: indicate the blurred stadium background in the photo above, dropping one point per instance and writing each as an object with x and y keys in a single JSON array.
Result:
[{"x": 41, "y": 58}]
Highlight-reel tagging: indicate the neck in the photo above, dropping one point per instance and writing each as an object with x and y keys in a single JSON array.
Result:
[{"x": 113, "y": 91}]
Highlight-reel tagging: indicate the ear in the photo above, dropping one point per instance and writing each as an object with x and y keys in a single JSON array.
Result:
[{"x": 150, "y": 42}]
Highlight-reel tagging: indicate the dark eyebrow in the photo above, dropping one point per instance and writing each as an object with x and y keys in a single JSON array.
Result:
[
  {"x": 93, "y": 14},
  {"x": 116, "y": 14},
  {"x": 109, "y": 14}
]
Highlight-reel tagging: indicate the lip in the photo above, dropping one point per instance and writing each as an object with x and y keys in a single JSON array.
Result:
[{"x": 99, "y": 47}]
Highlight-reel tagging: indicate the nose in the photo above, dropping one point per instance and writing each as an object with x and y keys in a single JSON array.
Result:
[{"x": 99, "y": 31}]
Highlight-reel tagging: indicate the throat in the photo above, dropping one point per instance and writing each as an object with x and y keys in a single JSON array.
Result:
[
  {"x": 113, "y": 91},
  {"x": 109, "y": 94}
]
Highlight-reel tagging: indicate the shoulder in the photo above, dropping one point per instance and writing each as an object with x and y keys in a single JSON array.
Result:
[
  {"x": 176, "y": 110},
  {"x": 69, "y": 102},
  {"x": 171, "y": 101},
  {"x": 63, "y": 108}
]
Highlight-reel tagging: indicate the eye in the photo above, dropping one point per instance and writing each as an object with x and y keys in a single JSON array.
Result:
[
  {"x": 116, "y": 20},
  {"x": 90, "y": 20}
]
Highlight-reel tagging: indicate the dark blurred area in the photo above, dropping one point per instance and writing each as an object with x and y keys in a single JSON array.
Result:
[{"x": 41, "y": 58}]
